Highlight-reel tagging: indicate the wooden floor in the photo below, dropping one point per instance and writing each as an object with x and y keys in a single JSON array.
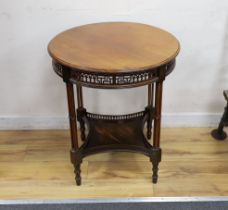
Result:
[{"x": 36, "y": 165}]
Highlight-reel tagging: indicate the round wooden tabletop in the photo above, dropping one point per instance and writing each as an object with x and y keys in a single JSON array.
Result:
[{"x": 114, "y": 47}]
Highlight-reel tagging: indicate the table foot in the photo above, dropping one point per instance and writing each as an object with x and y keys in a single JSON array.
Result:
[
  {"x": 219, "y": 135},
  {"x": 155, "y": 158},
  {"x": 77, "y": 171},
  {"x": 76, "y": 159}
]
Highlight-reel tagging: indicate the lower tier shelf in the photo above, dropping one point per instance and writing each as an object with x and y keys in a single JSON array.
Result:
[{"x": 115, "y": 133}]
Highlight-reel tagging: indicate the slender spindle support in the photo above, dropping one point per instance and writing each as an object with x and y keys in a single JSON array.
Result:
[
  {"x": 81, "y": 111},
  {"x": 150, "y": 109},
  {"x": 156, "y": 157},
  {"x": 75, "y": 155}
]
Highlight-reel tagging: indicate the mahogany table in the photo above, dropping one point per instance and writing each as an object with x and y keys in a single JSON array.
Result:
[{"x": 114, "y": 55}]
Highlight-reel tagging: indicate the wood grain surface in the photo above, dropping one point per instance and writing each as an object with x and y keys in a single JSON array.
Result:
[
  {"x": 114, "y": 47},
  {"x": 36, "y": 165}
]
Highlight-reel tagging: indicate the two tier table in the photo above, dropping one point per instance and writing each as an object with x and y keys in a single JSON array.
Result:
[{"x": 114, "y": 55}]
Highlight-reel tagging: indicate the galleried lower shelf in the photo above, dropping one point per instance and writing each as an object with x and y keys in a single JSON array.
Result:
[
  {"x": 113, "y": 56},
  {"x": 121, "y": 133}
]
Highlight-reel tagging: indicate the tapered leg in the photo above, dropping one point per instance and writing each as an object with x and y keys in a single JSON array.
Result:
[
  {"x": 219, "y": 133},
  {"x": 155, "y": 158},
  {"x": 75, "y": 153},
  {"x": 77, "y": 171},
  {"x": 81, "y": 111},
  {"x": 156, "y": 152},
  {"x": 150, "y": 109}
]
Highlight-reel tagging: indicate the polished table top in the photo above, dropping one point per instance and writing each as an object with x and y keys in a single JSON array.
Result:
[{"x": 114, "y": 47}]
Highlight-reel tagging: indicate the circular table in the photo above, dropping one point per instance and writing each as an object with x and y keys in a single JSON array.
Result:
[{"x": 114, "y": 55}]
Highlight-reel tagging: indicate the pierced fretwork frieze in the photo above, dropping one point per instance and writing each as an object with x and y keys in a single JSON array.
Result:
[
  {"x": 94, "y": 79},
  {"x": 115, "y": 117},
  {"x": 134, "y": 78},
  {"x": 111, "y": 79}
]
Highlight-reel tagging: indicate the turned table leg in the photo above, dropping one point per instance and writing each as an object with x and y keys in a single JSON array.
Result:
[
  {"x": 76, "y": 158},
  {"x": 156, "y": 152},
  {"x": 80, "y": 111},
  {"x": 150, "y": 109}
]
